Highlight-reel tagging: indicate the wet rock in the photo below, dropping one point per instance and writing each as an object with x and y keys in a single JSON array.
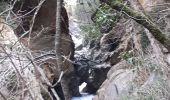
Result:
[
  {"x": 106, "y": 28},
  {"x": 74, "y": 83},
  {"x": 85, "y": 42},
  {"x": 95, "y": 79},
  {"x": 101, "y": 57},
  {"x": 59, "y": 91},
  {"x": 107, "y": 41},
  {"x": 92, "y": 44},
  {"x": 101, "y": 53},
  {"x": 110, "y": 41},
  {"x": 80, "y": 47},
  {"x": 86, "y": 72},
  {"x": 95, "y": 44},
  {"x": 99, "y": 75}
]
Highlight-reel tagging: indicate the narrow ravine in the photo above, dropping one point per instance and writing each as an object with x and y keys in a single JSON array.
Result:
[
  {"x": 78, "y": 39},
  {"x": 80, "y": 50},
  {"x": 108, "y": 52}
]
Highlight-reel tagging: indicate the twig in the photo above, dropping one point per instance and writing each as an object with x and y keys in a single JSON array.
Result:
[
  {"x": 17, "y": 71},
  {"x": 47, "y": 82},
  {"x": 6, "y": 11},
  {"x": 33, "y": 19},
  {"x": 59, "y": 79}
]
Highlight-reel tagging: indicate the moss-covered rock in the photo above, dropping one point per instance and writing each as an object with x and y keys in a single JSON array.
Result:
[{"x": 141, "y": 19}]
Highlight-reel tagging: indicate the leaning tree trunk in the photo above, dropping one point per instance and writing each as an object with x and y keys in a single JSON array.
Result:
[
  {"x": 64, "y": 81},
  {"x": 141, "y": 19}
]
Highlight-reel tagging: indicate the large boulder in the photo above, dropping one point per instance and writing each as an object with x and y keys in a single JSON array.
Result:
[
  {"x": 13, "y": 77},
  {"x": 115, "y": 85},
  {"x": 39, "y": 29}
]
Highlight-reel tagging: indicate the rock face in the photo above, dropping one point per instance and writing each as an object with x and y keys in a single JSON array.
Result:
[
  {"x": 114, "y": 86},
  {"x": 87, "y": 72},
  {"x": 43, "y": 31},
  {"x": 41, "y": 36},
  {"x": 123, "y": 83},
  {"x": 147, "y": 3}
]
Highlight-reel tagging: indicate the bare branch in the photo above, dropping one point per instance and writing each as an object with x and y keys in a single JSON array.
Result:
[{"x": 33, "y": 19}]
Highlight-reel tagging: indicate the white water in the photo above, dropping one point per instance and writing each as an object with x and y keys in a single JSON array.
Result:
[
  {"x": 86, "y": 97},
  {"x": 82, "y": 86},
  {"x": 75, "y": 32}
]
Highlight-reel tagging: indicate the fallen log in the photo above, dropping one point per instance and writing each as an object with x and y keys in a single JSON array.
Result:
[{"x": 141, "y": 19}]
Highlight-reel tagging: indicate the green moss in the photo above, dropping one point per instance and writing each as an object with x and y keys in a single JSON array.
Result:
[
  {"x": 90, "y": 32},
  {"x": 141, "y": 19},
  {"x": 115, "y": 1},
  {"x": 128, "y": 56}
]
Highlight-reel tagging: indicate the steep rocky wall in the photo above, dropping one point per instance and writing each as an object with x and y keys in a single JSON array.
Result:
[{"x": 123, "y": 83}]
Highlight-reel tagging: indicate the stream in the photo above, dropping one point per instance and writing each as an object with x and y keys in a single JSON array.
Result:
[
  {"x": 77, "y": 13},
  {"x": 78, "y": 40}
]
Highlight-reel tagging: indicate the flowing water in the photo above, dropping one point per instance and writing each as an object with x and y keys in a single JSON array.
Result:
[{"x": 79, "y": 12}]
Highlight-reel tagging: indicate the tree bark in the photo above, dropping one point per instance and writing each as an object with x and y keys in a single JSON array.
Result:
[
  {"x": 141, "y": 19},
  {"x": 59, "y": 59}
]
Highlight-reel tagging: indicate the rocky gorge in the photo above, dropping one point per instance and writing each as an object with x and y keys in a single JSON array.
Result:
[{"x": 115, "y": 55}]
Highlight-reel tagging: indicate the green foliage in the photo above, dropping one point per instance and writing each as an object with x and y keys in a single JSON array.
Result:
[
  {"x": 127, "y": 55},
  {"x": 90, "y": 32},
  {"x": 105, "y": 15}
]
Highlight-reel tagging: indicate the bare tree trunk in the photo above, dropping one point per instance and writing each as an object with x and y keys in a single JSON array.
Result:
[
  {"x": 141, "y": 19},
  {"x": 58, "y": 36}
]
